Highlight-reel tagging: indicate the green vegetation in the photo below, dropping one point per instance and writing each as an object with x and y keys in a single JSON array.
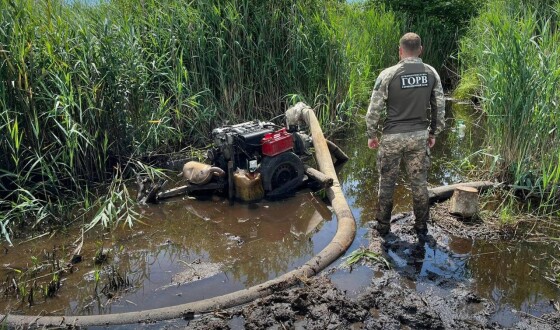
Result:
[
  {"x": 440, "y": 24},
  {"x": 511, "y": 52},
  {"x": 364, "y": 254},
  {"x": 41, "y": 279},
  {"x": 369, "y": 38},
  {"x": 87, "y": 90}
]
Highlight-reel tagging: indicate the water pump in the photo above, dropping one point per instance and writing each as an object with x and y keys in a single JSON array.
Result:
[{"x": 262, "y": 147}]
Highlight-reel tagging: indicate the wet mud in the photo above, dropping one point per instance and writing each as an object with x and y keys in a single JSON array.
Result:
[
  {"x": 387, "y": 304},
  {"x": 488, "y": 229},
  {"x": 410, "y": 295}
]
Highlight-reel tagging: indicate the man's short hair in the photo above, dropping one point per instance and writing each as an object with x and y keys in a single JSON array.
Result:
[{"x": 410, "y": 42}]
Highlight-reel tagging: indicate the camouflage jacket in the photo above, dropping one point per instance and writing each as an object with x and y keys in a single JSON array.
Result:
[{"x": 410, "y": 96}]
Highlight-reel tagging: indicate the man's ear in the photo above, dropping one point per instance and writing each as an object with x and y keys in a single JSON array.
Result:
[{"x": 421, "y": 51}]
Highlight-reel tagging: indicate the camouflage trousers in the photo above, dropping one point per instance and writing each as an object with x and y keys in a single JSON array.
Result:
[{"x": 413, "y": 149}]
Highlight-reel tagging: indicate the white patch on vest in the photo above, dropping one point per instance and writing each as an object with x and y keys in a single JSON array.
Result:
[
  {"x": 377, "y": 83},
  {"x": 414, "y": 80}
]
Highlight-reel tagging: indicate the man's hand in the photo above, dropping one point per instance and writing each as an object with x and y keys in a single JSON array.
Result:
[
  {"x": 373, "y": 143},
  {"x": 431, "y": 141}
]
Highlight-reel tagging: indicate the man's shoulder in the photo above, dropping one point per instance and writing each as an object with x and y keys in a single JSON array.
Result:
[
  {"x": 390, "y": 71},
  {"x": 386, "y": 75},
  {"x": 432, "y": 69}
]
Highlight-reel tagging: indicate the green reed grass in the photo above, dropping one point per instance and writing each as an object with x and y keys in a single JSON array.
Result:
[
  {"x": 439, "y": 23},
  {"x": 370, "y": 37},
  {"x": 513, "y": 49},
  {"x": 87, "y": 89}
]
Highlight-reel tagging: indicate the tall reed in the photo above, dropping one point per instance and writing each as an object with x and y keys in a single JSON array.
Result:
[
  {"x": 439, "y": 23},
  {"x": 513, "y": 50},
  {"x": 87, "y": 88},
  {"x": 369, "y": 37}
]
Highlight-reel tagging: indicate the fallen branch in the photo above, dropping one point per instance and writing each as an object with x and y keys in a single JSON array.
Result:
[{"x": 442, "y": 193}]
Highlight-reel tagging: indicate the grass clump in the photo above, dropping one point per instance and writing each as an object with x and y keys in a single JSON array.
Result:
[
  {"x": 469, "y": 86},
  {"x": 365, "y": 255}
]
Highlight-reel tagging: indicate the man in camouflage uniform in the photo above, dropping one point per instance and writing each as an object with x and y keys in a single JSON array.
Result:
[{"x": 410, "y": 96}]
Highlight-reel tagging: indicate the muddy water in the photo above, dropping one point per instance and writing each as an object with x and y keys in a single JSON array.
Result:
[
  {"x": 190, "y": 249},
  {"x": 511, "y": 275},
  {"x": 186, "y": 250}
]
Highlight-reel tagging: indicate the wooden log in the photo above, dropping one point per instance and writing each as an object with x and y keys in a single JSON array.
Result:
[
  {"x": 182, "y": 190},
  {"x": 464, "y": 202},
  {"x": 148, "y": 190},
  {"x": 440, "y": 194}
]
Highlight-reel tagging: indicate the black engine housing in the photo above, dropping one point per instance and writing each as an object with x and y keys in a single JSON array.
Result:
[{"x": 241, "y": 144}]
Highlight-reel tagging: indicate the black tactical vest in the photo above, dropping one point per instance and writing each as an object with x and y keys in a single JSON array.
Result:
[{"x": 408, "y": 102}]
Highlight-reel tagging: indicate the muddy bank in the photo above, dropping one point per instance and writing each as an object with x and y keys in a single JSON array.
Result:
[
  {"x": 488, "y": 229},
  {"x": 387, "y": 304},
  {"x": 420, "y": 291}
]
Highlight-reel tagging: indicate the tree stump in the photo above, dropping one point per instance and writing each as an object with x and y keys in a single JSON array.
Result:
[{"x": 464, "y": 202}]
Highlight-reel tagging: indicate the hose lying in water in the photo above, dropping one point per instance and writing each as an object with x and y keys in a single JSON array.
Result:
[{"x": 340, "y": 243}]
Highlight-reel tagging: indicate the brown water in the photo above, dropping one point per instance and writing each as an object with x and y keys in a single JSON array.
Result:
[
  {"x": 243, "y": 245},
  {"x": 190, "y": 249},
  {"x": 511, "y": 275}
]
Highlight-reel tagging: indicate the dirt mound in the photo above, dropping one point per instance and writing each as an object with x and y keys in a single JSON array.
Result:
[
  {"x": 397, "y": 305},
  {"x": 315, "y": 304},
  {"x": 386, "y": 304},
  {"x": 474, "y": 228}
]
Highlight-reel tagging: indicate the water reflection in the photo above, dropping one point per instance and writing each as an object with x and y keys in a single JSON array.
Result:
[
  {"x": 509, "y": 275},
  {"x": 251, "y": 242},
  {"x": 512, "y": 275}
]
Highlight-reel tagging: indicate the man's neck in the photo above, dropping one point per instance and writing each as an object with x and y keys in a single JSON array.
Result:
[
  {"x": 404, "y": 55},
  {"x": 408, "y": 57}
]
